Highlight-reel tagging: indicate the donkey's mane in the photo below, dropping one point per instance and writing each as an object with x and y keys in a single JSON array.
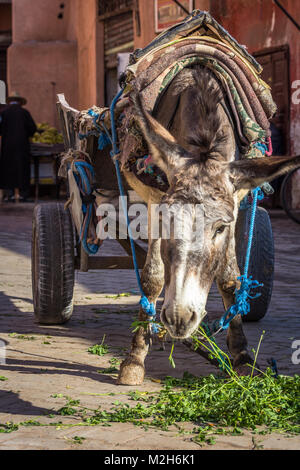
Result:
[
  {"x": 195, "y": 151},
  {"x": 204, "y": 135},
  {"x": 205, "y": 181}
]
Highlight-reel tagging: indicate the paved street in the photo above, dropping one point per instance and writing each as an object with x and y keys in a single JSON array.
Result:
[{"x": 42, "y": 361}]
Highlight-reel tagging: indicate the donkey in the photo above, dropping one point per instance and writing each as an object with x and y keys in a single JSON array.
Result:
[{"x": 197, "y": 154}]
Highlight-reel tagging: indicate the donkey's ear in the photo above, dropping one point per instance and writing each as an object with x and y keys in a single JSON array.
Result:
[
  {"x": 248, "y": 174},
  {"x": 164, "y": 150}
]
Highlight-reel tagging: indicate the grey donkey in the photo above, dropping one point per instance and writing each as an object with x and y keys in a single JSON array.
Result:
[{"x": 197, "y": 154}]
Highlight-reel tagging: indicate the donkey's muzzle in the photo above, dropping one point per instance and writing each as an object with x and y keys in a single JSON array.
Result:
[{"x": 180, "y": 324}]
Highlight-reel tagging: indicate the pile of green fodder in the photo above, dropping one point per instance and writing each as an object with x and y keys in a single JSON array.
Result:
[{"x": 217, "y": 404}]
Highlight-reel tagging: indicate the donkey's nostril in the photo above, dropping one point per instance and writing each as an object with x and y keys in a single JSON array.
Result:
[{"x": 193, "y": 317}]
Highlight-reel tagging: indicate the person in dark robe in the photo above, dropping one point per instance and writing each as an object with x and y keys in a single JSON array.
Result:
[{"x": 16, "y": 127}]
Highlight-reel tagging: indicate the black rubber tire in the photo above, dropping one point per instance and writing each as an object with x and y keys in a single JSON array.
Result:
[
  {"x": 52, "y": 264},
  {"x": 261, "y": 266},
  {"x": 285, "y": 197}
]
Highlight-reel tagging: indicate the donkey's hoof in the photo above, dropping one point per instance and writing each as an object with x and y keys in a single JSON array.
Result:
[
  {"x": 243, "y": 369},
  {"x": 132, "y": 372},
  {"x": 243, "y": 364}
]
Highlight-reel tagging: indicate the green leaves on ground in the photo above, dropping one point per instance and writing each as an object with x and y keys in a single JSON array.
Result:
[
  {"x": 118, "y": 296},
  {"x": 68, "y": 409},
  {"x": 17, "y": 336},
  {"x": 216, "y": 405},
  {"x": 99, "y": 349},
  {"x": 78, "y": 439},
  {"x": 8, "y": 427}
]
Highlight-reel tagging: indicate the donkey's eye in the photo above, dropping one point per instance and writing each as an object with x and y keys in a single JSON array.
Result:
[{"x": 219, "y": 230}]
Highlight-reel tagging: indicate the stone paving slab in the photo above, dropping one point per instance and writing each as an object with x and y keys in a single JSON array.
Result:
[{"x": 55, "y": 360}]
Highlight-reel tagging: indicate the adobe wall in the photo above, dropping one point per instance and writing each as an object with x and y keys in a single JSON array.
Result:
[
  {"x": 90, "y": 55},
  {"x": 40, "y": 70},
  {"x": 40, "y": 22},
  {"x": 260, "y": 24},
  {"x": 42, "y": 59}
]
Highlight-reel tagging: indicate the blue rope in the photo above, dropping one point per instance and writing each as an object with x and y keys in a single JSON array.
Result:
[
  {"x": 272, "y": 362},
  {"x": 86, "y": 189},
  {"x": 88, "y": 134},
  {"x": 242, "y": 295},
  {"x": 257, "y": 194},
  {"x": 147, "y": 306},
  {"x": 103, "y": 141},
  {"x": 103, "y": 137}
]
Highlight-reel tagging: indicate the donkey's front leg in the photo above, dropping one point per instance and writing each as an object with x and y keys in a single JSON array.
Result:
[
  {"x": 236, "y": 340},
  {"x": 132, "y": 369}
]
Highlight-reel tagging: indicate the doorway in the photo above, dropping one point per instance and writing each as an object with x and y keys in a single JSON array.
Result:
[
  {"x": 276, "y": 73},
  {"x": 117, "y": 16}
]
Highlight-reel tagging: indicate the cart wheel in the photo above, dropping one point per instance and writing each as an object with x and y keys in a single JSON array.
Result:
[
  {"x": 261, "y": 266},
  {"x": 52, "y": 264}
]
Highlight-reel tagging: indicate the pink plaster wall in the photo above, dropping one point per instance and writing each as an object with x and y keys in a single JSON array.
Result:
[
  {"x": 42, "y": 60},
  {"x": 37, "y": 19},
  {"x": 90, "y": 54},
  {"x": 47, "y": 50},
  {"x": 40, "y": 70}
]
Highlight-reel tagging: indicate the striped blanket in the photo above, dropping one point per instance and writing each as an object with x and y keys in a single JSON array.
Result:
[{"x": 199, "y": 39}]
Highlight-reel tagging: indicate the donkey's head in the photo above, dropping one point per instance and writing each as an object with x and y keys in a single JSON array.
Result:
[{"x": 203, "y": 196}]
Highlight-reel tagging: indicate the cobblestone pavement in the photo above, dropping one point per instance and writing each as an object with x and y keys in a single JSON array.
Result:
[{"x": 55, "y": 360}]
